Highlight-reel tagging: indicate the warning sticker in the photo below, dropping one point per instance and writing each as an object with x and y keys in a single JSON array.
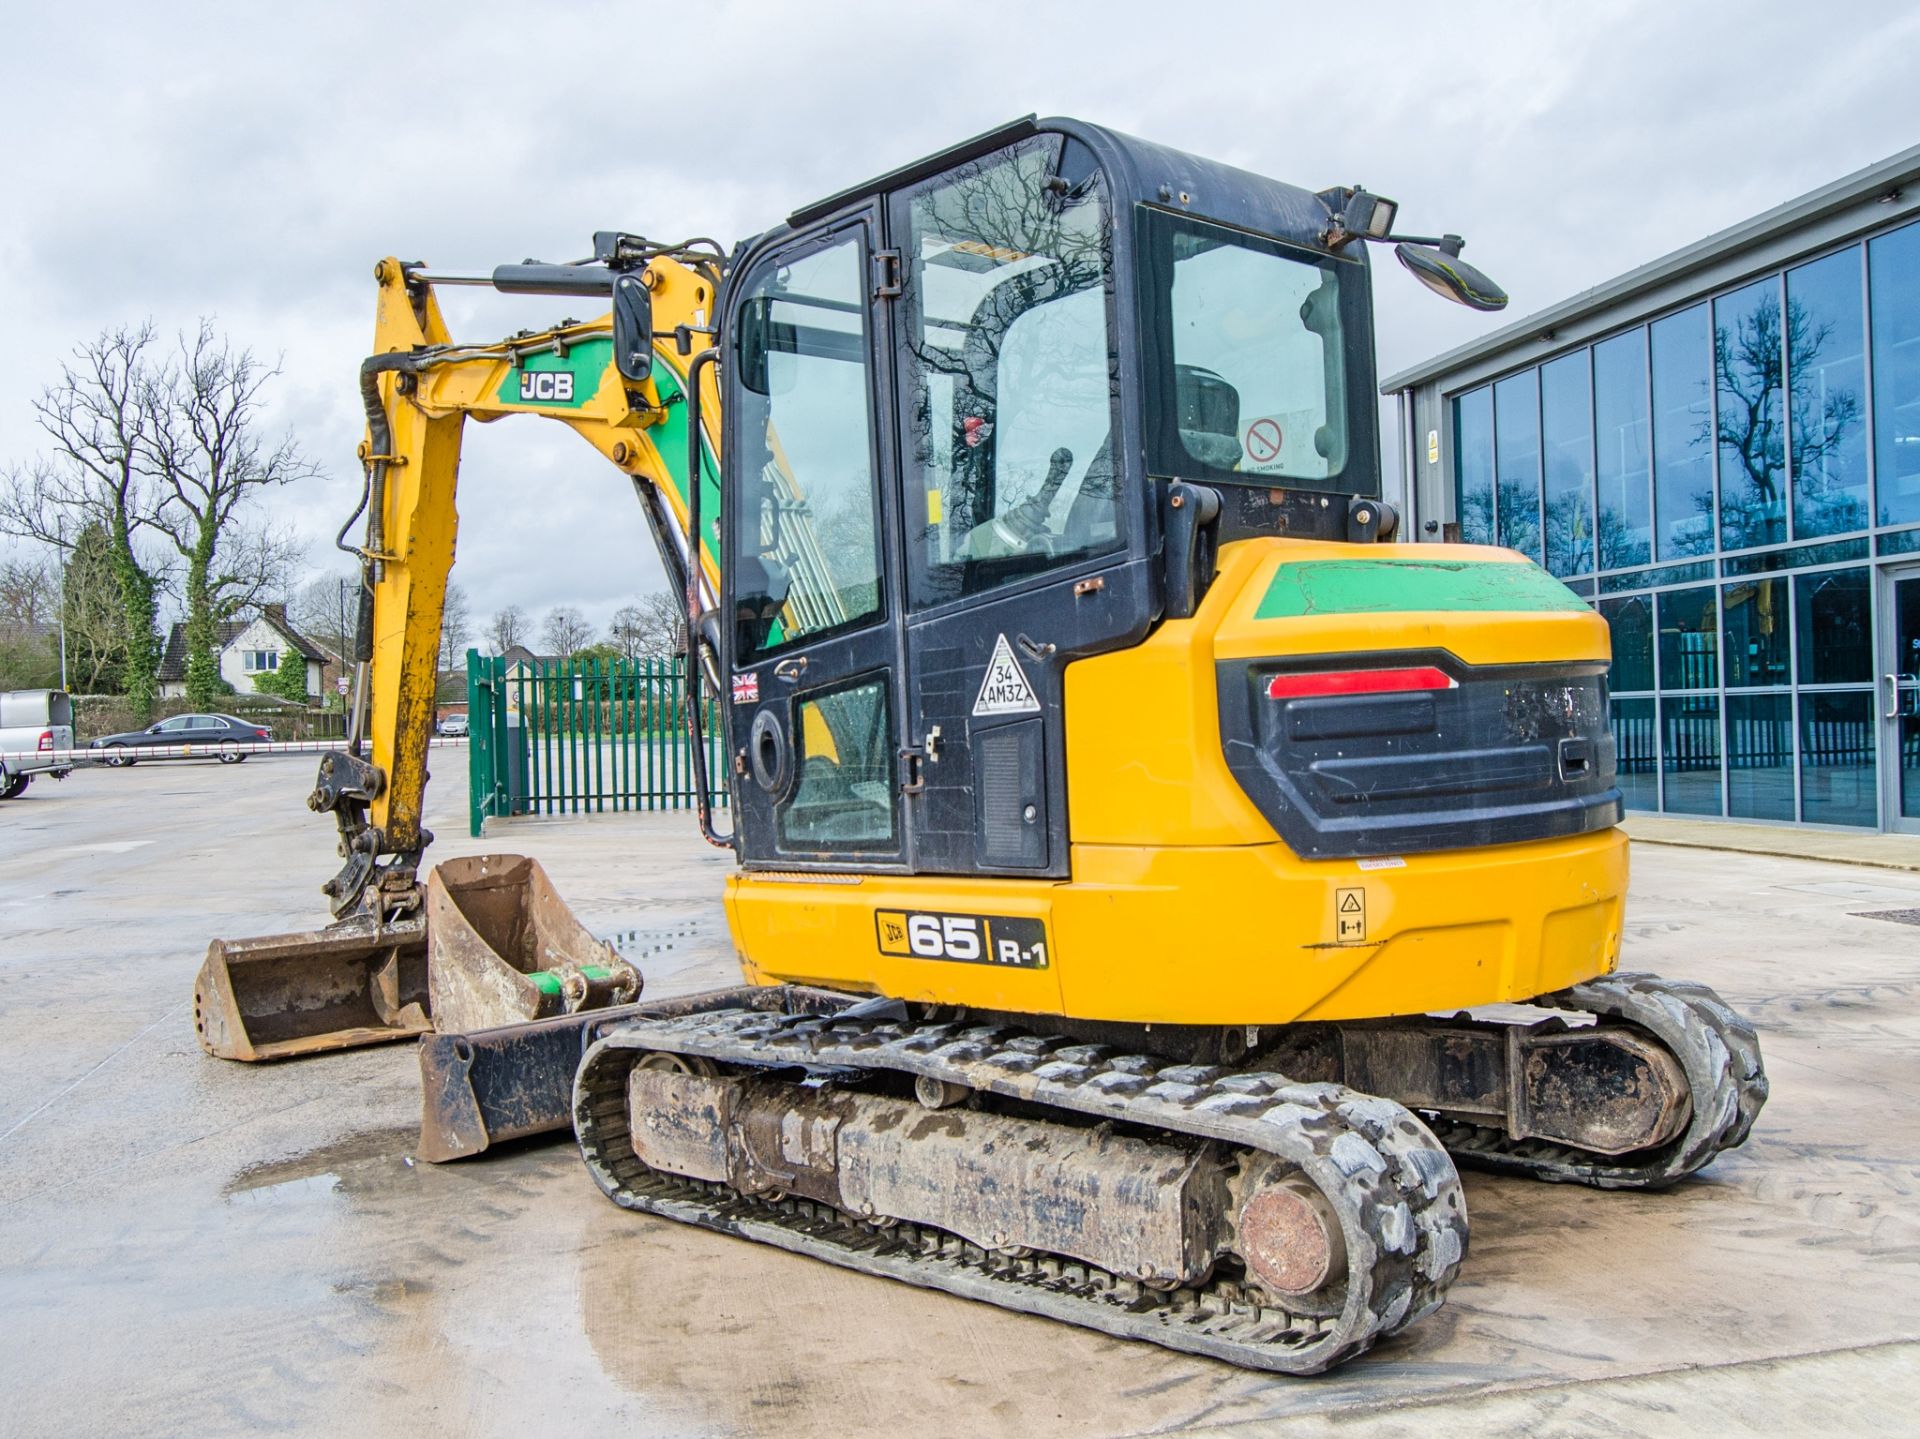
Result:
[
  {"x": 1264, "y": 439},
  {"x": 1350, "y": 916},
  {"x": 1005, "y": 690},
  {"x": 1283, "y": 444}
]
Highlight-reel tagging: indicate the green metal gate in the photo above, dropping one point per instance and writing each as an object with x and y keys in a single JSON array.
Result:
[{"x": 581, "y": 736}]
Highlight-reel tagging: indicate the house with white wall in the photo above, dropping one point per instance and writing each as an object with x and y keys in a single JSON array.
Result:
[{"x": 249, "y": 649}]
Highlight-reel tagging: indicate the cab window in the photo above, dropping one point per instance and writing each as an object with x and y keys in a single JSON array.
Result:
[
  {"x": 1010, "y": 396},
  {"x": 804, "y": 515}
]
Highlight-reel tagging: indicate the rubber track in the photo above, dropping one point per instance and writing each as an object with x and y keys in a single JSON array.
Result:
[
  {"x": 1718, "y": 1052},
  {"x": 1398, "y": 1194}
]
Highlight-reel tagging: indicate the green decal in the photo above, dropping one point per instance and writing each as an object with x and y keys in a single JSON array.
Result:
[
  {"x": 558, "y": 382},
  {"x": 1366, "y": 587}
]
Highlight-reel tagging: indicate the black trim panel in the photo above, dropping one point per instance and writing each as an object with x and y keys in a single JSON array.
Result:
[{"x": 1513, "y": 753}]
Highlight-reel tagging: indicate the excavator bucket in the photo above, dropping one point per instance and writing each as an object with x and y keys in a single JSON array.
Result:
[
  {"x": 503, "y": 948},
  {"x": 496, "y": 947},
  {"x": 283, "y": 995}
]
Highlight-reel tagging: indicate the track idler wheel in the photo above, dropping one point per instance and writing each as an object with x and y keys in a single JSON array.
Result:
[{"x": 1286, "y": 1233}]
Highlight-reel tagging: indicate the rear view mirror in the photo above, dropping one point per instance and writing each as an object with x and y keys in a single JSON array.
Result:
[
  {"x": 752, "y": 333},
  {"x": 632, "y": 326},
  {"x": 1450, "y": 276}
]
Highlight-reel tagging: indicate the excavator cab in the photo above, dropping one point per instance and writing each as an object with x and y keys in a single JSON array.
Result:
[{"x": 963, "y": 404}]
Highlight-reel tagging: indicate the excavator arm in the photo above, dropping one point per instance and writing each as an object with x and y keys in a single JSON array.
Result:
[
  {"x": 626, "y": 383},
  {"x": 621, "y": 382}
]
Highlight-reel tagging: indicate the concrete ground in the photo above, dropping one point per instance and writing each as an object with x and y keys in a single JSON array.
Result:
[{"x": 194, "y": 1247}]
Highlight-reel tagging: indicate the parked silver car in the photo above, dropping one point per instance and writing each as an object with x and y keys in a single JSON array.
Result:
[{"x": 33, "y": 723}]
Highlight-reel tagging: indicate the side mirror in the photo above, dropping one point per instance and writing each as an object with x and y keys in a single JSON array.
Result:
[
  {"x": 753, "y": 334},
  {"x": 1450, "y": 276},
  {"x": 632, "y": 326}
]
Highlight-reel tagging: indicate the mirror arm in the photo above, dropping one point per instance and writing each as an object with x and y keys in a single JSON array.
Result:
[{"x": 1446, "y": 244}]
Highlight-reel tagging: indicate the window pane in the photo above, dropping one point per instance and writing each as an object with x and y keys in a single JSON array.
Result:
[
  {"x": 1566, "y": 423},
  {"x": 805, "y": 522},
  {"x": 1895, "y": 284},
  {"x": 1760, "y": 756},
  {"x": 1754, "y": 621},
  {"x": 1259, "y": 358},
  {"x": 1837, "y": 779},
  {"x": 843, "y": 754},
  {"x": 1008, "y": 376},
  {"x": 1690, "y": 754},
  {"x": 1834, "y": 628},
  {"x": 1620, "y": 419},
  {"x": 1633, "y": 736},
  {"x": 1682, "y": 475},
  {"x": 1689, "y": 635},
  {"x": 1827, "y": 370},
  {"x": 1473, "y": 465},
  {"x": 1746, "y": 349},
  {"x": 1516, "y": 452},
  {"x": 1631, "y": 624}
]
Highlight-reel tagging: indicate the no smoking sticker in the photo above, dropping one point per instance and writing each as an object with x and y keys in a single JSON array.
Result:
[
  {"x": 1263, "y": 441},
  {"x": 1350, "y": 916}
]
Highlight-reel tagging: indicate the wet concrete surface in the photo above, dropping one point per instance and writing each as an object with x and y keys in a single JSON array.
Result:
[{"x": 194, "y": 1247}]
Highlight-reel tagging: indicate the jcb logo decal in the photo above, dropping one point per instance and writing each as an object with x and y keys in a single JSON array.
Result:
[{"x": 551, "y": 386}]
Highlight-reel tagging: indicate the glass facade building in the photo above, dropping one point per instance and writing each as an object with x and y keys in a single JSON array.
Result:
[{"x": 1721, "y": 452}]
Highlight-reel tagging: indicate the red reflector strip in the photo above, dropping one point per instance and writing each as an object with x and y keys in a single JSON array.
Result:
[{"x": 1359, "y": 682}]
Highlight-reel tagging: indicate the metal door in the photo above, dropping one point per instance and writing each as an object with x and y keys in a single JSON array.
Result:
[
  {"x": 811, "y": 585},
  {"x": 1899, "y": 694}
]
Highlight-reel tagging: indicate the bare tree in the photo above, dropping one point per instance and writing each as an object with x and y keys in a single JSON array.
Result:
[
  {"x": 97, "y": 474},
  {"x": 507, "y": 628},
  {"x": 648, "y": 630},
  {"x": 565, "y": 631},
  {"x": 29, "y": 657},
  {"x": 202, "y": 428},
  {"x": 323, "y": 610},
  {"x": 456, "y": 628},
  {"x": 26, "y": 599}
]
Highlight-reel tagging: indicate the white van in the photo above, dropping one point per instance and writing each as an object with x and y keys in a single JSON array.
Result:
[{"x": 33, "y": 723}]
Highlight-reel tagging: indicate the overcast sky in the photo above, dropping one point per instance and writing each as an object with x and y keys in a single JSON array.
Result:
[{"x": 251, "y": 162}]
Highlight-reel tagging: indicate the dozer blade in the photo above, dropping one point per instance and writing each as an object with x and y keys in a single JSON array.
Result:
[
  {"x": 487, "y": 1086},
  {"x": 282, "y": 995}
]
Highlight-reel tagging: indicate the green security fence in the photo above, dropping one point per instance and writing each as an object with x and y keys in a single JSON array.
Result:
[{"x": 581, "y": 736}]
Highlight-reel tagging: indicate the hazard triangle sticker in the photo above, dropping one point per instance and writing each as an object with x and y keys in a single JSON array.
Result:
[{"x": 1005, "y": 690}]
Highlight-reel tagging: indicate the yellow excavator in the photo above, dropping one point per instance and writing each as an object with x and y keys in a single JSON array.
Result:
[{"x": 1140, "y": 855}]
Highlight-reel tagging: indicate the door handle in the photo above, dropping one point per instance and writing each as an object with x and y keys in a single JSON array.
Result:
[
  {"x": 1892, "y": 682},
  {"x": 790, "y": 670}
]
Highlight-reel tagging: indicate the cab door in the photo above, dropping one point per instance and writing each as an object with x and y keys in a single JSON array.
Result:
[
  {"x": 1023, "y": 520},
  {"x": 810, "y": 591}
]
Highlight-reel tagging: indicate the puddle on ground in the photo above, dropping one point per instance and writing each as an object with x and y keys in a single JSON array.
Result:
[{"x": 360, "y": 1161}]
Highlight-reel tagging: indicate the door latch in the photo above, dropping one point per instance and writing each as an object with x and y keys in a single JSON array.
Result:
[
  {"x": 887, "y": 282},
  {"x": 915, "y": 757}
]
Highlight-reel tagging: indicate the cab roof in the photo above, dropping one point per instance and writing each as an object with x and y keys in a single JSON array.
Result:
[{"x": 1139, "y": 171}]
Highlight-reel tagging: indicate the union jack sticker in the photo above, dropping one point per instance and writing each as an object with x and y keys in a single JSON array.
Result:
[{"x": 746, "y": 688}]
